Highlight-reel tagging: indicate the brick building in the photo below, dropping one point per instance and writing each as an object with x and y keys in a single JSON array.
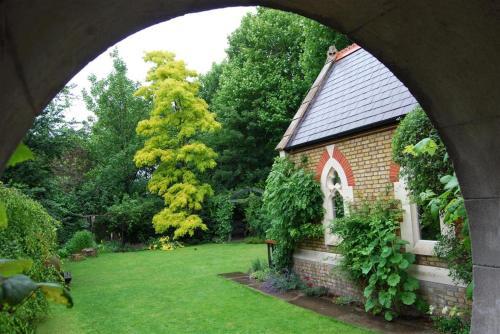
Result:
[{"x": 345, "y": 126}]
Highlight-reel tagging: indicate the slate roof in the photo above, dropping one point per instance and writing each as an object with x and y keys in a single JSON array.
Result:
[{"x": 354, "y": 92}]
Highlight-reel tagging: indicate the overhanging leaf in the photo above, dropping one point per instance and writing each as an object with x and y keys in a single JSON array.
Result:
[
  {"x": 426, "y": 145},
  {"x": 17, "y": 288},
  {"x": 21, "y": 154},
  {"x": 3, "y": 216},
  {"x": 452, "y": 183},
  {"x": 10, "y": 267},
  {"x": 56, "y": 293}
]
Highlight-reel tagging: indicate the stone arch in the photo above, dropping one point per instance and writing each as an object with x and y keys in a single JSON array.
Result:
[{"x": 436, "y": 48}]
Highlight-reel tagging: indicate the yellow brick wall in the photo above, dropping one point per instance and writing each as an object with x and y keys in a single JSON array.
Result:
[{"x": 370, "y": 157}]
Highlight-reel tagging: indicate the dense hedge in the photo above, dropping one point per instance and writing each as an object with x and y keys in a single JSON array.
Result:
[{"x": 31, "y": 233}]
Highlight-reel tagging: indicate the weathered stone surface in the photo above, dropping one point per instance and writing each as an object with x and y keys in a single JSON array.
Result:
[
  {"x": 486, "y": 235},
  {"x": 92, "y": 252},
  {"x": 77, "y": 257},
  {"x": 486, "y": 300}
]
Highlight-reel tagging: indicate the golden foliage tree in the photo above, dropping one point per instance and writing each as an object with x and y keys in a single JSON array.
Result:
[{"x": 172, "y": 146}]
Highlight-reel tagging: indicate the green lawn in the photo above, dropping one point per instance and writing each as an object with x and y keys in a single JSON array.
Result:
[{"x": 178, "y": 292}]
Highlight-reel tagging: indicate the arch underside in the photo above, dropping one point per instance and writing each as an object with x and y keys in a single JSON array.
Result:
[{"x": 446, "y": 53}]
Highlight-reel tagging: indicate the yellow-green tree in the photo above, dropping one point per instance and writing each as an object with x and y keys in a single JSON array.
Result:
[{"x": 172, "y": 146}]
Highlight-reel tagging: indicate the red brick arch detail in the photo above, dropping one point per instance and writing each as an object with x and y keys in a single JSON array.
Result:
[
  {"x": 337, "y": 155},
  {"x": 321, "y": 164},
  {"x": 394, "y": 172}
]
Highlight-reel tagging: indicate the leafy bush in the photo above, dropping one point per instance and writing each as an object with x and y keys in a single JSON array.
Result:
[
  {"x": 454, "y": 246},
  {"x": 220, "y": 211},
  {"x": 282, "y": 281},
  {"x": 373, "y": 257},
  {"x": 258, "y": 265},
  {"x": 253, "y": 240},
  {"x": 254, "y": 216},
  {"x": 450, "y": 320},
  {"x": 30, "y": 233},
  {"x": 114, "y": 246},
  {"x": 132, "y": 216},
  {"x": 261, "y": 275},
  {"x": 79, "y": 240},
  {"x": 421, "y": 174},
  {"x": 293, "y": 201},
  {"x": 164, "y": 243}
]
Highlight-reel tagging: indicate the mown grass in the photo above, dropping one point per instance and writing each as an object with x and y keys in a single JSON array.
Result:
[{"x": 178, "y": 292}]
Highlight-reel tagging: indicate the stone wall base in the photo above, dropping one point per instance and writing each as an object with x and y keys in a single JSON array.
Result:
[{"x": 325, "y": 271}]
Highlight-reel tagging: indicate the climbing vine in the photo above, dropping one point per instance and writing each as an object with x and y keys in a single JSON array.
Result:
[{"x": 293, "y": 202}]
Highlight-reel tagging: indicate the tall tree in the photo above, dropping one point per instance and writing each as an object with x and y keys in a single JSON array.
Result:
[
  {"x": 115, "y": 180},
  {"x": 172, "y": 146},
  {"x": 272, "y": 59},
  {"x": 50, "y": 137},
  {"x": 113, "y": 140}
]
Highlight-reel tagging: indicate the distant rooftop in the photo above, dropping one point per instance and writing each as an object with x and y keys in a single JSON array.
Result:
[{"x": 353, "y": 92}]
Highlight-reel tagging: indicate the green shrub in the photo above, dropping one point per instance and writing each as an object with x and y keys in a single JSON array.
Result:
[
  {"x": 220, "y": 212},
  {"x": 253, "y": 240},
  {"x": 315, "y": 291},
  {"x": 255, "y": 218},
  {"x": 373, "y": 257},
  {"x": 282, "y": 281},
  {"x": 343, "y": 300},
  {"x": 261, "y": 275},
  {"x": 433, "y": 185},
  {"x": 80, "y": 240},
  {"x": 30, "y": 233},
  {"x": 258, "y": 265},
  {"x": 164, "y": 243},
  {"x": 293, "y": 201},
  {"x": 450, "y": 320}
]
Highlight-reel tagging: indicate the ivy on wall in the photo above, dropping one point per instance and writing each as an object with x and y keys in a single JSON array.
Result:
[{"x": 293, "y": 202}]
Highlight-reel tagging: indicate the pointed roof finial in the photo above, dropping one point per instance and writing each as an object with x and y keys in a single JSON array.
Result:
[{"x": 331, "y": 53}]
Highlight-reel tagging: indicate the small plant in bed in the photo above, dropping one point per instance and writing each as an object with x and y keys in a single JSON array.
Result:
[
  {"x": 259, "y": 270},
  {"x": 279, "y": 282},
  {"x": 315, "y": 291}
]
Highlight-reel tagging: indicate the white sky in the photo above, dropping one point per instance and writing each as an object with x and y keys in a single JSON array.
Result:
[{"x": 199, "y": 39}]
